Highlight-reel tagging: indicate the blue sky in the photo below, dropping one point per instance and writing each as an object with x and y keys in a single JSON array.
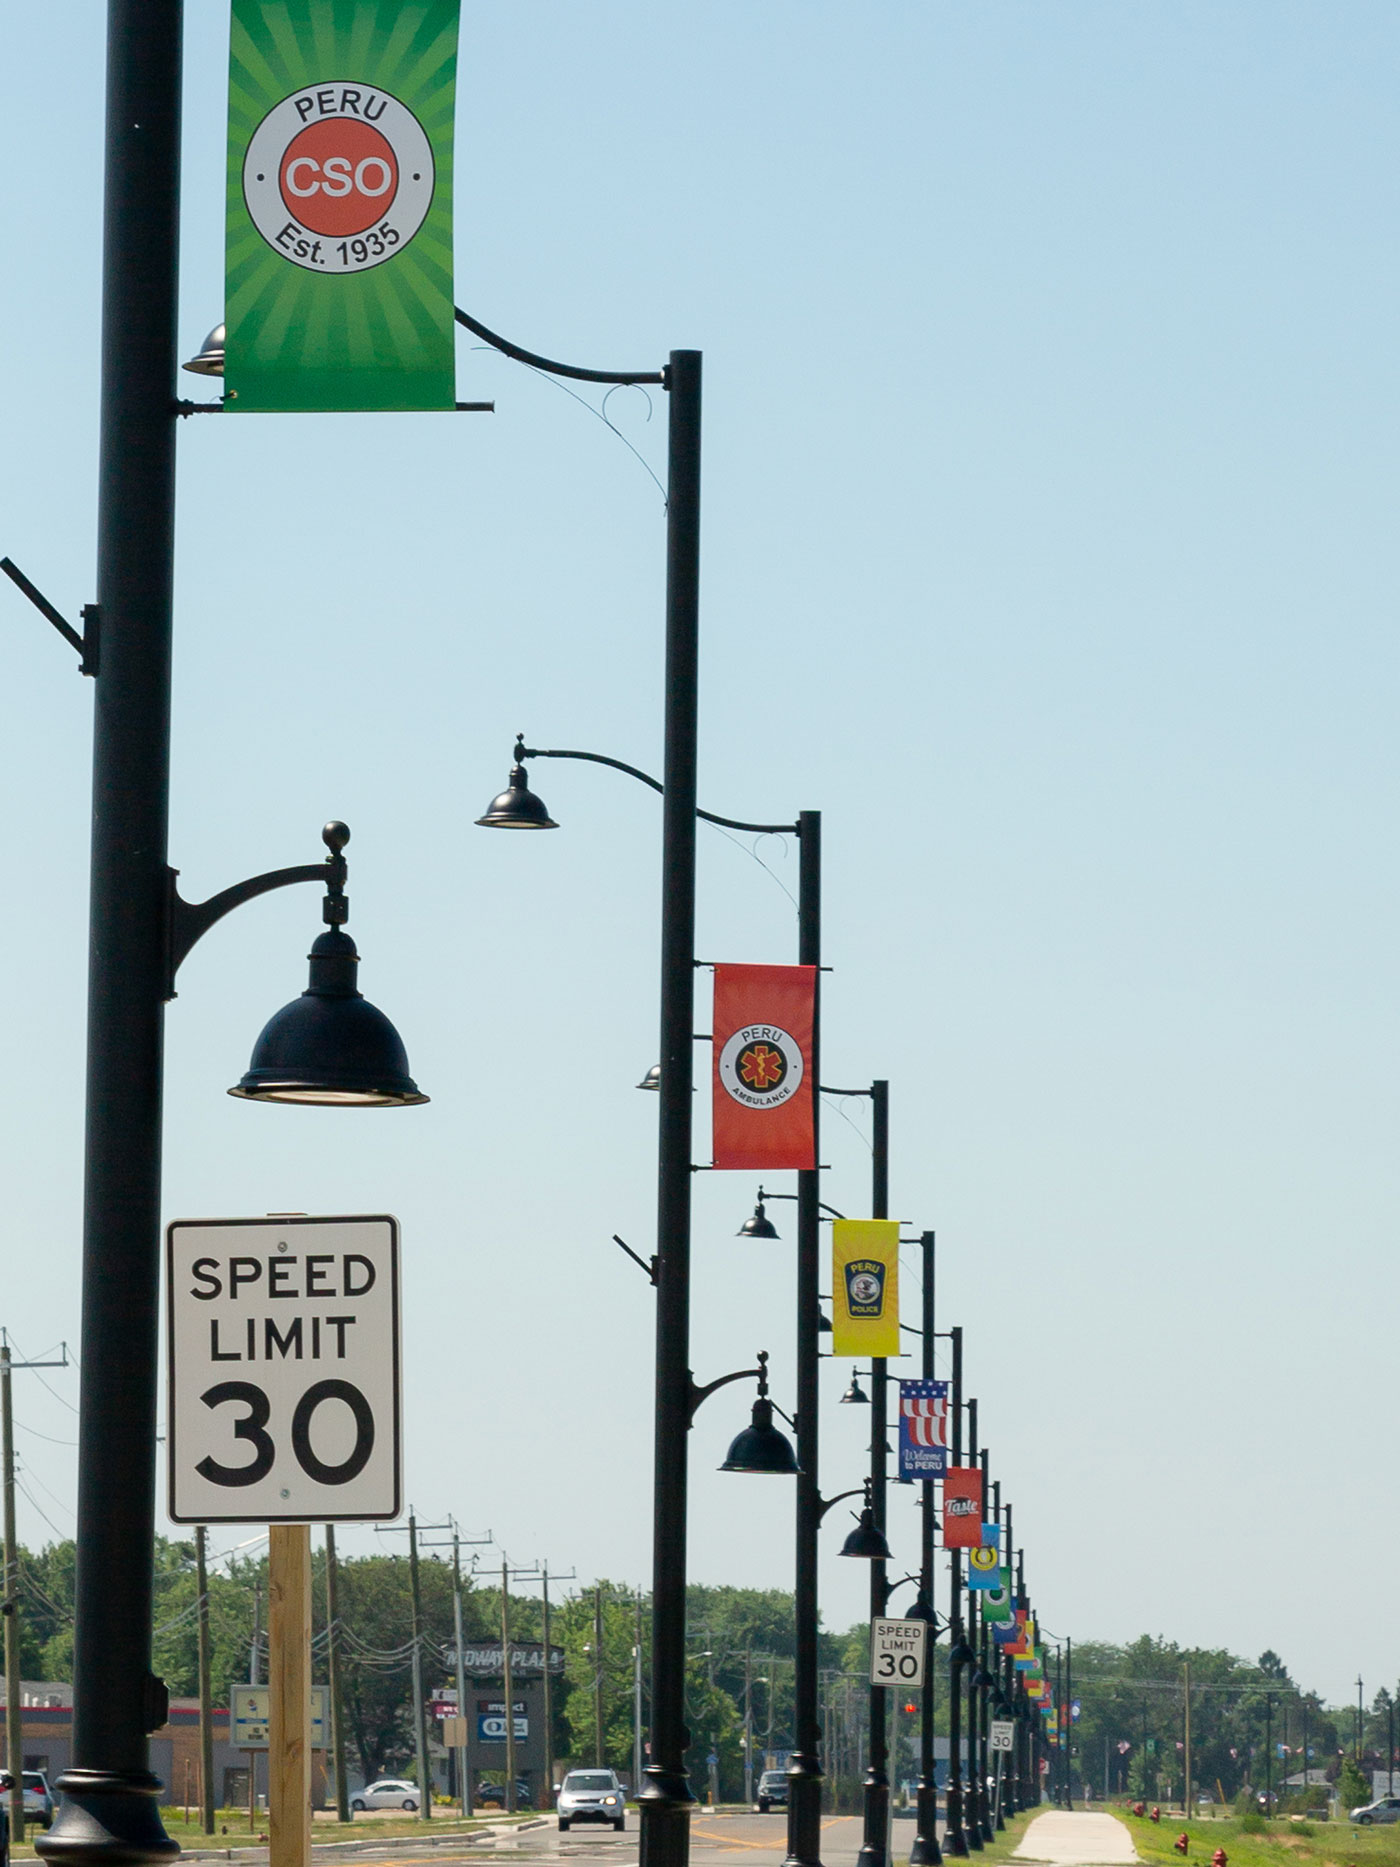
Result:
[{"x": 1050, "y": 470}]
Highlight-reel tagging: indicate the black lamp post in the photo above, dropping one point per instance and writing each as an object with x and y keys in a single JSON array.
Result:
[
  {"x": 955, "y": 1840},
  {"x": 666, "y": 1798},
  {"x": 926, "y": 1851},
  {"x": 139, "y": 930}
]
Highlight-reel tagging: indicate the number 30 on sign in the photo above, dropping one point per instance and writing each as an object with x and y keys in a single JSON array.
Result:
[
  {"x": 283, "y": 1342},
  {"x": 897, "y": 1652}
]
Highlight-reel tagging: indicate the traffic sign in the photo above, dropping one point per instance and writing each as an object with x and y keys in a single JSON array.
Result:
[
  {"x": 1003, "y": 1734},
  {"x": 283, "y": 1351},
  {"x": 897, "y": 1652},
  {"x": 250, "y": 1708}
]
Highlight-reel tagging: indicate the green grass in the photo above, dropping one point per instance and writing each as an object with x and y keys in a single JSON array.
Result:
[{"x": 1329, "y": 1844}]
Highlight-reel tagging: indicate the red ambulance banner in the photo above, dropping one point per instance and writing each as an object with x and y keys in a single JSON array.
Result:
[
  {"x": 763, "y": 1067},
  {"x": 962, "y": 1507}
]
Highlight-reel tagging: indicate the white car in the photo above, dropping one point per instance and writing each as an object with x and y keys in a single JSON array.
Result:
[
  {"x": 592, "y": 1796},
  {"x": 389, "y": 1792}
]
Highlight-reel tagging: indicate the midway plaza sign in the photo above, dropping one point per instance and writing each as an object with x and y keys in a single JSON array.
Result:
[{"x": 283, "y": 1357}]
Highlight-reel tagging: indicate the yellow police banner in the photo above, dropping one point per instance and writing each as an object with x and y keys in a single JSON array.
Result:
[{"x": 865, "y": 1287}]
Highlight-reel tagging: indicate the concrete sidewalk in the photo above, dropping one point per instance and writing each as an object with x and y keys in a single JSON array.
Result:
[{"x": 1069, "y": 1838}]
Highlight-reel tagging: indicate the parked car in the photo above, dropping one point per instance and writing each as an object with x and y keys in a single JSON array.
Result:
[
  {"x": 388, "y": 1792},
  {"x": 38, "y": 1799},
  {"x": 1383, "y": 1809},
  {"x": 772, "y": 1791},
  {"x": 493, "y": 1795},
  {"x": 591, "y": 1796}
]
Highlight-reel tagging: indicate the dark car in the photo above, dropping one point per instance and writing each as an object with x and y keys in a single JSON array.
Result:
[
  {"x": 772, "y": 1791},
  {"x": 493, "y": 1795}
]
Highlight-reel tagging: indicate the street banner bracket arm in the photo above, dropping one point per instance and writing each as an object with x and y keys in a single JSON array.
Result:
[
  {"x": 648, "y": 1266},
  {"x": 188, "y": 921},
  {"x": 85, "y": 643},
  {"x": 507, "y": 348}
]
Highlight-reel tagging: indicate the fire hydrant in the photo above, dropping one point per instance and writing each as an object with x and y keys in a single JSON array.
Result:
[
  {"x": 1220, "y": 1858},
  {"x": 1182, "y": 1842},
  {"x": 1156, "y": 1813},
  {"x": 1139, "y": 1808}
]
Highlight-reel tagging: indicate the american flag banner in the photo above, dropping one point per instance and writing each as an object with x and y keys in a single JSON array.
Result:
[{"x": 923, "y": 1430}]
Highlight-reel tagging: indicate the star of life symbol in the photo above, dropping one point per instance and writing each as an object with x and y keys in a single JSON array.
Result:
[
  {"x": 338, "y": 177},
  {"x": 761, "y": 1066}
]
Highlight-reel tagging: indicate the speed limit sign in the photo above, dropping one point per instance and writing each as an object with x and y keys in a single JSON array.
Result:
[
  {"x": 897, "y": 1652},
  {"x": 283, "y": 1347}
]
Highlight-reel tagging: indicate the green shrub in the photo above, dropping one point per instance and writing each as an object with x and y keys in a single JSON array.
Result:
[
  {"x": 1303, "y": 1828},
  {"x": 1252, "y": 1822}
]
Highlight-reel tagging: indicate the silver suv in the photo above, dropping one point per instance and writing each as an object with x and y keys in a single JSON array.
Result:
[
  {"x": 592, "y": 1796},
  {"x": 1383, "y": 1809}
]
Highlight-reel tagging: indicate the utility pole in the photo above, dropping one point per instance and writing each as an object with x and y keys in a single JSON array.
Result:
[
  {"x": 206, "y": 1725},
  {"x": 598, "y": 1674},
  {"x": 508, "y": 1681},
  {"x": 637, "y": 1701},
  {"x": 463, "y": 1788},
  {"x": 549, "y": 1684},
  {"x": 420, "y": 1709},
  {"x": 1187, "y": 1809},
  {"x": 14, "y": 1717},
  {"x": 255, "y": 1645},
  {"x": 337, "y": 1707},
  {"x": 1359, "y": 1716},
  {"x": 748, "y": 1724}
]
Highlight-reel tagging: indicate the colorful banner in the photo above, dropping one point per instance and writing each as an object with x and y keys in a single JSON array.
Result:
[
  {"x": 763, "y": 1021},
  {"x": 865, "y": 1287},
  {"x": 984, "y": 1564},
  {"x": 997, "y": 1608},
  {"x": 962, "y": 1507},
  {"x": 923, "y": 1430},
  {"x": 338, "y": 262}
]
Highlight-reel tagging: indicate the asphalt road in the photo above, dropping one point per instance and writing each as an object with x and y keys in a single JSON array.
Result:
[{"x": 731, "y": 1836}]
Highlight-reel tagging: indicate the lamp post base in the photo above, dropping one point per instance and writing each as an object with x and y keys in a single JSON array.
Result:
[
  {"x": 107, "y": 1815},
  {"x": 926, "y": 1851},
  {"x": 804, "y": 1812},
  {"x": 955, "y": 1844},
  {"x": 664, "y": 1802}
]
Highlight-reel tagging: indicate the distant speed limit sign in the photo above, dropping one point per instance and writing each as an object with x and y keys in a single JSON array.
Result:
[
  {"x": 897, "y": 1652},
  {"x": 283, "y": 1347},
  {"x": 1003, "y": 1734}
]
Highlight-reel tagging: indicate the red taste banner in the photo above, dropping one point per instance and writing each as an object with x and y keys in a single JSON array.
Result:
[
  {"x": 962, "y": 1507},
  {"x": 763, "y": 1021}
]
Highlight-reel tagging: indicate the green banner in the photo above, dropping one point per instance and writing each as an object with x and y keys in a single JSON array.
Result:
[{"x": 338, "y": 288}]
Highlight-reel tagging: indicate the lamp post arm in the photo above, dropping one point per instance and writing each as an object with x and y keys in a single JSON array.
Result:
[
  {"x": 507, "y": 348},
  {"x": 188, "y": 921},
  {"x": 86, "y": 643},
  {"x": 523, "y": 752},
  {"x": 699, "y": 1395},
  {"x": 765, "y": 1196},
  {"x": 825, "y": 1504},
  {"x": 649, "y": 1268}
]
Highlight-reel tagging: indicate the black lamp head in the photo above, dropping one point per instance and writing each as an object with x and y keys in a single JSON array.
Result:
[
  {"x": 761, "y": 1447},
  {"x": 331, "y": 1047},
  {"x": 517, "y": 807},
  {"x": 960, "y": 1653},
  {"x": 866, "y": 1540},
  {"x": 823, "y": 1323},
  {"x": 210, "y": 360},
  {"x": 758, "y": 1225},
  {"x": 855, "y": 1395},
  {"x": 652, "y": 1079}
]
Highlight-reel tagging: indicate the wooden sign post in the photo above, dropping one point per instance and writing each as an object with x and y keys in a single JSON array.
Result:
[{"x": 289, "y": 1683}]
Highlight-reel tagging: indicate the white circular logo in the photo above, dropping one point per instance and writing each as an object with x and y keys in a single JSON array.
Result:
[
  {"x": 338, "y": 178},
  {"x": 865, "y": 1288},
  {"x": 761, "y": 1066}
]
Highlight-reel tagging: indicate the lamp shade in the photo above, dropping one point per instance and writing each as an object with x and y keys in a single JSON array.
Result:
[
  {"x": 960, "y": 1653},
  {"x": 824, "y": 1323},
  {"x": 210, "y": 360},
  {"x": 761, "y": 1447},
  {"x": 517, "y": 807},
  {"x": 757, "y": 1225},
  {"x": 855, "y": 1395},
  {"x": 866, "y": 1541},
  {"x": 652, "y": 1079},
  {"x": 330, "y": 1046}
]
